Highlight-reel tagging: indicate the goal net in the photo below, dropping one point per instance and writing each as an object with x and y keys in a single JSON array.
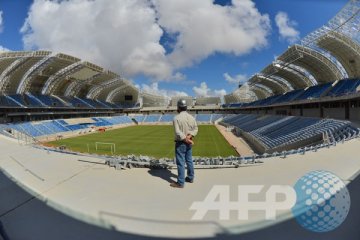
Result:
[{"x": 103, "y": 146}]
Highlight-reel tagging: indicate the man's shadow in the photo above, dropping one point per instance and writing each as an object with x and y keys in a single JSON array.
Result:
[
  {"x": 162, "y": 173},
  {"x": 3, "y": 235}
]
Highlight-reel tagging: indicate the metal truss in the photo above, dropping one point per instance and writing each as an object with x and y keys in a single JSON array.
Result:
[
  {"x": 74, "y": 88},
  {"x": 95, "y": 91},
  {"x": 270, "y": 82},
  {"x": 114, "y": 92},
  {"x": 281, "y": 80},
  {"x": 347, "y": 21},
  {"x": 36, "y": 68},
  {"x": 267, "y": 92},
  {"x": 6, "y": 73},
  {"x": 290, "y": 73},
  {"x": 301, "y": 71},
  {"x": 344, "y": 49},
  {"x": 296, "y": 55},
  {"x": 57, "y": 77}
]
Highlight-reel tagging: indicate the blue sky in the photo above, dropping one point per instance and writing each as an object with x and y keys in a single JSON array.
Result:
[{"x": 167, "y": 59}]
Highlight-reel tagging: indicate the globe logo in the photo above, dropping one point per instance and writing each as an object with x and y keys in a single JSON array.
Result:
[{"x": 323, "y": 201}]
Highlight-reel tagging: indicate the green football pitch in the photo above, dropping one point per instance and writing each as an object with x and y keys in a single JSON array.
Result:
[{"x": 156, "y": 141}]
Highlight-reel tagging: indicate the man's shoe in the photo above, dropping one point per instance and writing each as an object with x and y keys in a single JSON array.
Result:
[
  {"x": 189, "y": 180},
  {"x": 176, "y": 185}
]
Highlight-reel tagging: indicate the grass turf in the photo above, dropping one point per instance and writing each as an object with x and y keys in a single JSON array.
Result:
[{"x": 156, "y": 141}]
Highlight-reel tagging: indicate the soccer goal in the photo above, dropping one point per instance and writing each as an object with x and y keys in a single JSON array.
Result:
[{"x": 105, "y": 147}]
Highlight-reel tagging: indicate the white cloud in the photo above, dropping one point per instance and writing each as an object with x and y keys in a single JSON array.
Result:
[
  {"x": 240, "y": 78},
  {"x": 124, "y": 35},
  {"x": 286, "y": 27},
  {"x": 204, "y": 91},
  {"x": 3, "y": 49},
  {"x": 121, "y": 35},
  {"x": 204, "y": 28},
  {"x": 153, "y": 88}
]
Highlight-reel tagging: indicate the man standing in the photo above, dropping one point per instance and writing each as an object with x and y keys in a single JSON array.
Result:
[{"x": 186, "y": 128}]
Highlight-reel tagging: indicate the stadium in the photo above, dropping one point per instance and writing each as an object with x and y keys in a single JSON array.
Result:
[{"x": 85, "y": 154}]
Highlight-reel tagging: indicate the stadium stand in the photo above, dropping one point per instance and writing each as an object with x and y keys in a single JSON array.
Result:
[
  {"x": 344, "y": 87},
  {"x": 189, "y": 100},
  {"x": 152, "y": 118},
  {"x": 167, "y": 118},
  {"x": 43, "y": 128},
  {"x": 289, "y": 96},
  {"x": 205, "y": 118},
  {"x": 51, "y": 101},
  {"x": 314, "y": 92},
  {"x": 203, "y": 101},
  {"x": 119, "y": 120},
  {"x": 270, "y": 133},
  {"x": 337, "y": 89},
  {"x": 152, "y": 100},
  {"x": 8, "y": 102},
  {"x": 138, "y": 118},
  {"x": 216, "y": 117}
]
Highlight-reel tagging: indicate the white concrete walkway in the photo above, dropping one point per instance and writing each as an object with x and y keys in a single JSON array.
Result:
[{"x": 140, "y": 200}]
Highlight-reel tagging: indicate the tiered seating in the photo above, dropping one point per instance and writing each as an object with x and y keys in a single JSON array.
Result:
[
  {"x": 203, "y": 118},
  {"x": 344, "y": 87},
  {"x": 216, "y": 117},
  {"x": 44, "y": 128},
  {"x": 232, "y": 105},
  {"x": 8, "y": 102},
  {"x": 33, "y": 101},
  {"x": 31, "y": 130},
  {"x": 77, "y": 102},
  {"x": 50, "y": 100},
  {"x": 278, "y": 132},
  {"x": 99, "y": 122},
  {"x": 26, "y": 100},
  {"x": 55, "y": 126},
  {"x": 105, "y": 104},
  {"x": 77, "y": 127},
  {"x": 60, "y": 124},
  {"x": 18, "y": 99},
  {"x": 167, "y": 118},
  {"x": 237, "y": 119},
  {"x": 30, "y": 100},
  {"x": 139, "y": 118},
  {"x": 289, "y": 96},
  {"x": 152, "y": 118},
  {"x": 119, "y": 120},
  {"x": 314, "y": 92},
  {"x": 93, "y": 103}
]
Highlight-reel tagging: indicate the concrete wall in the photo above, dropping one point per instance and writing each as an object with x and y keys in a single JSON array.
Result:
[
  {"x": 355, "y": 114},
  {"x": 295, "y": 112},
  {"x": 337, "y": 113},
  {"x": 311, "y": 112}
]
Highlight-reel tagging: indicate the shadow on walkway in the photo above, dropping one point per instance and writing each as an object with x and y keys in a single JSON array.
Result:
[{"x": 164, "y": 174}]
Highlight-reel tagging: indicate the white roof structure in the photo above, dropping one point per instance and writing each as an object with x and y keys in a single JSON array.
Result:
[
  {"x": 244, "y": 94},
  {"x": 328, "y": 54},
  {"x": 152, "y": 100},
  {"x": 44, "y": 72}
]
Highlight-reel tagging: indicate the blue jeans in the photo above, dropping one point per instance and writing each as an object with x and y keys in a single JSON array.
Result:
[{"x": 183, "y": 153}]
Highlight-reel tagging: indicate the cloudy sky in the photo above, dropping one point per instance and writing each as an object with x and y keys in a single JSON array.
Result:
[{"x": 168, "y": 47}]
